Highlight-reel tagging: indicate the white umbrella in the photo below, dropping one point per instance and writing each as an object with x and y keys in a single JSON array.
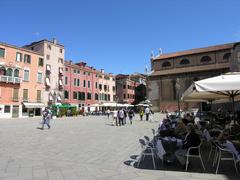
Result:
[{"x": 220, "y": 88}]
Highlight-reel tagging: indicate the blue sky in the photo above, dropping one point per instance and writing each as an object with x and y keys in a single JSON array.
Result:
[{"x": 118, "y": 35}]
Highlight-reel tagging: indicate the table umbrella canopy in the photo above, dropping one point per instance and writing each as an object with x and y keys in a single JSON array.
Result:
[{"x": 216, "y": 89}]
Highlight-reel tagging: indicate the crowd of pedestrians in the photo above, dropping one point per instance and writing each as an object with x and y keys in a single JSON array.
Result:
[{"x": 120, "y": 116}]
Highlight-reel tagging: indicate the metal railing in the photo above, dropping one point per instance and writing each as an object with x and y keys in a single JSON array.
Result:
[{"x": 10, "y": 79}]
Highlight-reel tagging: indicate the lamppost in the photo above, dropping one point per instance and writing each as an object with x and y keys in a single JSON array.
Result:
[{"x": 177, "y": 88}]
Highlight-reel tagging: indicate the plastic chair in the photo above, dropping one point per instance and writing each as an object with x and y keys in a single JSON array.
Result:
[
  {"x": 194, "y": 156},
  {"x": 225, "y": 155},
  {"x": 146, "y": 151}
]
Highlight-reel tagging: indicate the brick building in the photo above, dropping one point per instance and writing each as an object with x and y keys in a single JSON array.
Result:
[
  {"x": 127, "y": 91},
  {"x": 21, "y": 82},
  {"x": 173, "y": 73}
]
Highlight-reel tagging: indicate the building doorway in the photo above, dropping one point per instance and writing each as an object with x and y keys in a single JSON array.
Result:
[{"x": 15, "y": 111}]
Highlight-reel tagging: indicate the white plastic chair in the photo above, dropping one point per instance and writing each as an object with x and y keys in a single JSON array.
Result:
[
  {"x": 223, "y": 154},
  {"x": 194, "y": 156},
  {"x": 146, "y": 151}
]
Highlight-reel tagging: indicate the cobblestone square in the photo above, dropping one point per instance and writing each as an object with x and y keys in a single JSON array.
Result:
[{"x": 78, "y": 148}]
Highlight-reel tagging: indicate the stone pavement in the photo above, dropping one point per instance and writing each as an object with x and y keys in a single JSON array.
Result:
[{"x": 82, "y": 148}]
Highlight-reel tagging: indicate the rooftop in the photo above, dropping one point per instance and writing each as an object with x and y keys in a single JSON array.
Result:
[{"x": 195, "y": 51}]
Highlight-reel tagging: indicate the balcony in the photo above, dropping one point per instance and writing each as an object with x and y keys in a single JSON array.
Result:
[
  {"x": 10, "y": 79},
  {"x": 15, "y": 99}
]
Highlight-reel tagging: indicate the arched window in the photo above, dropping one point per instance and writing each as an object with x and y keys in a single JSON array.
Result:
[
  {"x": 166, "y": 64},
  {"x": 184, "y": 62},
  {"x": 96, "y": 96},
  {"x": 226, "y": 56},
  {"x": 9, "y": 72},
  {"x": 205, "y": 59},
  {"x": 16, "y": 73},
  {"x": 2, "y": 71}
]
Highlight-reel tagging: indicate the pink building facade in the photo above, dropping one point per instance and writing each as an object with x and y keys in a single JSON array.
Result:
[
  {"x": 85, "y": 86},
  {"x": 80, "y": 85},
  {"x": 21, "y": 82}
]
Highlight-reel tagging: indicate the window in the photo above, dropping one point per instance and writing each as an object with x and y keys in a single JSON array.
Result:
[
  {"x": 96, "y": 96},
  {"x": 205, "y": 59},
  {"x": 89, "y": 73},
  {"x": 89, "y": 84},
  {"x": 16, "y": 73},
  {"x": 7, "y": 109},
  {"x": 113, "y": 88},
  {"x": 226, "y": 56},
  {"x": 83, "y": 95},
  {"x": 84, "y": 73},
  {"x": 15, "y": 94},
  {"x": 49, "y": 46},
  {"x": 75, "y": 71},
  {"x": 9, "y": 72},
  {"x": 19, "y": 57},
  {"x": 40, "y": 62},
  {"x": 124, "y": 86},
  {"x": 78, "y": 82},
  {"x": 74, "y": 95},
  {"x": 96, "y": 85},
  {"x": 25, "y": 94},
  {"x": 48, "y": 56},
  {"x": 2, "y": 52},
  {"x": 39, "y": 95},
  {"x": 60, "y": 60},
  {"x": 105, "y": 87},
  {"x": 89, "y": 96},
  {"x": 66, "y": 69},
  {"x": 78, "y": 71},
  {"x": 166, "y": 64},
  {"x": 39, "y": 77},
  {"x": 84, "y": 83},
  {"x": 124, "y": 96},
  {"x": 108, "y": 97},
  {"x": 26, "y": 75},
  {"x": 100, "y": 86},
  {"x": 66, "y": 95},
  {"x": 60, "y": 50},
  {"x": 184, "y": 62},
  {"x": 66, "y": 80},
  {"x": 75, "y": 82},
  {"x": 27, "y": 58}
]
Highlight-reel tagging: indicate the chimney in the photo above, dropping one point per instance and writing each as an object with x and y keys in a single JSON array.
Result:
[{"x": 54, "y": 41}]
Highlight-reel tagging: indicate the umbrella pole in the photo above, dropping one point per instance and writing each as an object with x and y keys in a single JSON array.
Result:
[{"x": 233, "y": 107}]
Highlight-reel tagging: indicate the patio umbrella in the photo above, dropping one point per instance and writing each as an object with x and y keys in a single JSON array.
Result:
[{"x": 216, "y": 89}]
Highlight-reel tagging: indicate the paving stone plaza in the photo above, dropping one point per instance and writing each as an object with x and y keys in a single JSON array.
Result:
[{"x": 82, "y": 148}]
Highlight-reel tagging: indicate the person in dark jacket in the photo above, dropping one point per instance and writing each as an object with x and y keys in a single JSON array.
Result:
[{"x": 192, "y": 140}]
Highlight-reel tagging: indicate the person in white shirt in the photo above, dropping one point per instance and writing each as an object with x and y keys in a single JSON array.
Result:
[
  {"x": 147, "y": 112},
  {"x": 108, "y": 113},
  {"x": 115, "y": 120}
]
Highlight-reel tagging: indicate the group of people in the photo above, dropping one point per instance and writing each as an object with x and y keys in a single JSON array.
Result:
[
  {"x": 189, "y": 133},
  {"x": 120, "y": 116}
]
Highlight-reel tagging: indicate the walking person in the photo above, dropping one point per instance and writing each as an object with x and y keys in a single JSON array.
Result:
[
  {"x": 141, "y": 114},
  {"x": 121, "y": 117},
  {"x": 147, "y": 112},
  {"x": 115, "y": 117},
  {"x": 130, "y": 115},
  {"x": 125, "y": 116},
  {"x": 108, "y": 113},
  {"x": 47, "y": 114}
]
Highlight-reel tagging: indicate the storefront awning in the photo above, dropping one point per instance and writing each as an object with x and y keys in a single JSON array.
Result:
[{"x": 34, "y": 105}]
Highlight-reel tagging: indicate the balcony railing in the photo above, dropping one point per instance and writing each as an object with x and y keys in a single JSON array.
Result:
[
  {"x": 15, "y": 99},
  {"x": 10, "y": 79}
]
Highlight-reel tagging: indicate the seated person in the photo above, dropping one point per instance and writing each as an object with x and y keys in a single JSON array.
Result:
[
  {"x": 205, "y": 133},
  {"x": 224, "y": 135},
  {"x": 165, "y": 125},
  {"x": 192, "y": 140},
  {"x": 180, "y": 130}
]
